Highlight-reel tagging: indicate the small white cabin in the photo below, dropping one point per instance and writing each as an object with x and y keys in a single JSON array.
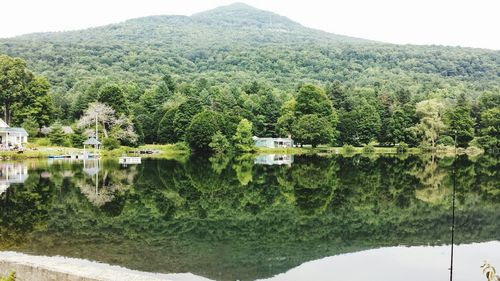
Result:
[
  {"x": 273, "y": 142},
  {"x": 12, "y": 137}
]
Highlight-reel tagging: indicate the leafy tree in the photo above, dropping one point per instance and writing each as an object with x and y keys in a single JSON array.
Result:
[
  {"x": 183, "y": 116},
  {"x": 269, "y": 110},
  {"x": 203, "y": 126},
  {"x": 166, "y": 86},
  {"x": 166, "y": 128},
  {"x": 111, "y": 143},
  {"x": 243, "y": 139},
  {"x": 31, "y": 126},
  {"x": 57, "y": 136},
  {"x": 78, "y": 137},
  {"x": 98, "y": 113},
  {"x": 314, "y": 130},
  {"x": 459, "y": 121},
  {"x": 490, "y": 132},
  {"x": 149, "y": 127},
  {"x": 312, "y": 100},
  {"x": 219, "y": 143},
  {"x": 123, "y": 131},
  {"x": 396, "y": 126},
  {"x": 360, "y": 125},
  {"x": 113, "y": 96},
  {"x": 35, "y": 102},
  {"x": 431, "y": 123},
  {"x": 337, "y": 94},
  {"x": 14, "y": 80},
  {"x": 22, "y": 94}
]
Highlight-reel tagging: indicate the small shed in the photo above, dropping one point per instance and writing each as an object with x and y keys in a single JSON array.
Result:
[
  {"x": 93, "y": 142},
  {"x": 273, "y": 142}
]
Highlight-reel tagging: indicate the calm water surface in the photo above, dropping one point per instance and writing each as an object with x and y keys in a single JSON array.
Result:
[{"x": 268, "y": 217}]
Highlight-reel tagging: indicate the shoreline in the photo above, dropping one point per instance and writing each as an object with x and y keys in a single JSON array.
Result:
[
  {"x": 44, "y": 268},
  {"x": 179, "y": 150}
]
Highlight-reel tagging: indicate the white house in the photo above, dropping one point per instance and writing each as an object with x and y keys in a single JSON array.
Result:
[
  {"x": 273, "y": 142},
  {"x": 12, "y": 137}
]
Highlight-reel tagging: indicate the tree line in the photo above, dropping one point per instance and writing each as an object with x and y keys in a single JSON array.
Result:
[{"x": 215, "y": 117}]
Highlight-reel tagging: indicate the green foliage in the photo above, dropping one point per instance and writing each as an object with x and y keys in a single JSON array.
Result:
[
  {"x": 183, "y": 116},
  {"x": 149, "y": 127},
  {"x": 431, "y": 123},
  {"x": 113, "y": 96},
  {"x": 166, "y": 128},
  {"x": 110, "y": 143},
  {"x": 31, "y": 126},
  {"x": 219, "y": 143},
  {"x": 77, "y": 138},
  {"x": 57, "y": 136},
  {"x": 369, "y": 148},
  {"x": 490, "y": 129},
  {"x": 203, "y": 126},
  {"x": 360, "y": 125},
  {"x": 243, "y": 139},
  {"x": 459, "y": 122},
  {"x": 207, "y": 204},
  {"x": 314, "y": 130},
  {"x": 402, "y": 147},
  {"x": 446, "y": 140},
  {"x": 348, "y": 149},
  {"x": 397, "y": 124},
  {"x": 242, "y": 68},
  {"x": 312, "y": 100},
  {"x": 22, "y": 94}
]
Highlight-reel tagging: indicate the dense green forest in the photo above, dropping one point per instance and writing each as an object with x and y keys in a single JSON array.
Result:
[{"x": 236, "y": 62}]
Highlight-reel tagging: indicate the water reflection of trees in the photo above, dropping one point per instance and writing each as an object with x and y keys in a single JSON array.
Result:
[{"x": 208, "y": 212}]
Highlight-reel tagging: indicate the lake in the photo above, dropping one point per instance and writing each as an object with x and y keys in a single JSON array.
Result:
[{"x": 273, "y": 217}]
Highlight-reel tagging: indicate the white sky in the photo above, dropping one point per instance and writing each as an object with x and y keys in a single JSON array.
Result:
[{"x": 470, "y": 23}]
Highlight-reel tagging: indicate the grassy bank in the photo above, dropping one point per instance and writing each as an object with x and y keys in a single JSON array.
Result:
[
  {"x": 179, "y": 150},
  {"x": 328, "y": 150}
]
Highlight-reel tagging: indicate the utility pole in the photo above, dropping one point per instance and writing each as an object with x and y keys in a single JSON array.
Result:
[
  {"x": 453, "y": 209},
  {"x": 96, "y": 132}
]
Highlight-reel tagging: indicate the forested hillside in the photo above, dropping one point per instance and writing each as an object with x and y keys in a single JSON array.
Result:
[{"x": 252, "y": 62}]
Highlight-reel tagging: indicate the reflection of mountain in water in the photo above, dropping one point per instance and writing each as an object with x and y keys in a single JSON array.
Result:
[
  {"x": 12, "y": 173},
  {"x": 230, "y": 219},
  {"x": 274, "y": 159}
]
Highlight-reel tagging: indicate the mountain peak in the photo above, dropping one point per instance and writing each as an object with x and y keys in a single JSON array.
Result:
[{"x": 242, "y": 15}]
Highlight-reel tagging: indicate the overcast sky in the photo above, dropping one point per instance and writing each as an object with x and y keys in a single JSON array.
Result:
[{"x": 470, "y": 23}]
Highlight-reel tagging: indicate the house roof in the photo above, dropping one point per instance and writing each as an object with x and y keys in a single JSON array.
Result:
[
  {"x": 18, "y": 131},
  {"x": 272, "y": 139},
  {"x": 3, "y": 124},
  {"x": 91, "y": 141}
]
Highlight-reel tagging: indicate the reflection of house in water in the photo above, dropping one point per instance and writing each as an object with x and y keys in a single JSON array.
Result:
[
  {"x": 274, "y": 159},
  {"x": 91, "y": 167},
  {"x": 12, "y": 173}
]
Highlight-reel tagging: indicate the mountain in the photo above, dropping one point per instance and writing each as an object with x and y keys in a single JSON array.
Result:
[{"x": 236, "y": 44}]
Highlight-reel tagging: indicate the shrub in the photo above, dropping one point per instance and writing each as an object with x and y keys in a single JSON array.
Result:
[
  {"x": 369, "y": 148},
  {"x": 219, "y": 143},
  {"x": 402, "y": 147},
  {"x": 57, "y": 136},
  {"x": 446, "y": 140},
  {"x": 31, "y": 126},
  {"x": 110, "y": 143},
  {"x": 243, "y": 137},
  {"x": 348, "y": 149},
  {"x": 203, "y": 126}
]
